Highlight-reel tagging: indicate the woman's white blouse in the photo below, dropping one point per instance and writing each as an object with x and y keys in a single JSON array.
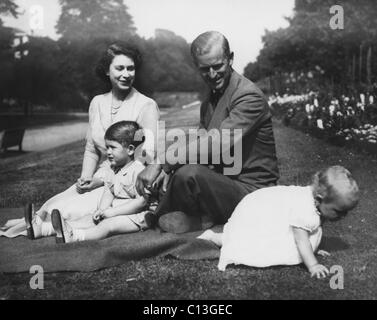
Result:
[{"x": 136, "y": 107}]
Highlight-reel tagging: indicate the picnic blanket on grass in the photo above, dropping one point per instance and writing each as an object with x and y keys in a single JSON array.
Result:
[{"x": 19, "y": 254}]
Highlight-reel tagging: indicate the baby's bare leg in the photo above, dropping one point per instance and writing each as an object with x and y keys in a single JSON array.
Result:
[{"x": 110, "y": 227}]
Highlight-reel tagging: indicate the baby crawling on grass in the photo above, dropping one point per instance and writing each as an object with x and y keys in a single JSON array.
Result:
[{"x": 282, "y": 225}]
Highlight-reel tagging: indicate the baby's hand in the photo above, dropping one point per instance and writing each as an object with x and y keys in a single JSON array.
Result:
[
  {"x": 323, "y": 253},
  {"x": 319, "y": 271}
]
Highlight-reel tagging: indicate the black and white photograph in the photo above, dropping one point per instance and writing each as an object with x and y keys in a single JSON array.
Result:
[{"x": 187, "y": 155}]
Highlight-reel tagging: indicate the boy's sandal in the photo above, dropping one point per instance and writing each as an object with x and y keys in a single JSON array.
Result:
[
  {"x": 56, "y": 220},
  {"x": 64, "y": 232},
  {"x": 28, "y": 215}
]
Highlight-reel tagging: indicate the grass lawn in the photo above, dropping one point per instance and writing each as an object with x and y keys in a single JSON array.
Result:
[{"x": 352, "y": 241}]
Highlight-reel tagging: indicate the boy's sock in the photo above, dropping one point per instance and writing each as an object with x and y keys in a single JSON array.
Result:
[
  {"x": 47, "y": 229},
  {"x": 79, "y": 234}
]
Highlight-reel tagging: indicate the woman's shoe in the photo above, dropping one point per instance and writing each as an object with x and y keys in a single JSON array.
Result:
[{"x": 64, "y": 232}]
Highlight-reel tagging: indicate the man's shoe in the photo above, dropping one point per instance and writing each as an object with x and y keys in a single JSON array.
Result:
[
  {"x": 207, "y": 222},
  {"x": 179, "y": 222},
  {"x": 150, "y": 220},
  {"x": 64, "y": 232}
]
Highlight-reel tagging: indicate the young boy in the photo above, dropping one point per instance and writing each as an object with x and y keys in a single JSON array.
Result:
[
  {"x": 282, "y": 225},
  {"x": 121, "y": 209}
]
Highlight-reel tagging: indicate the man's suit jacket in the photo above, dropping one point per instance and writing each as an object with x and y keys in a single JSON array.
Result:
[{"x": 243, "y": 106}]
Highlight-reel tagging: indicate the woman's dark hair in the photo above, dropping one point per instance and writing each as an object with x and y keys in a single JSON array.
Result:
[
  {"x": 125, "y": 133},
  {"x": 112, "y": 51}
]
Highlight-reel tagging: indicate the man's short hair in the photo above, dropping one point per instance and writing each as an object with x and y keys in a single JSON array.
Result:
[{"x": 204, "y": 43}]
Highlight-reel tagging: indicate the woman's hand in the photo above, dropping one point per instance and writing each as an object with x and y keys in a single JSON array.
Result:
[
  {"x": 319, "y": 271},
  {"x": 81, "y": 182},
  {"x": 88, "y": 184}
]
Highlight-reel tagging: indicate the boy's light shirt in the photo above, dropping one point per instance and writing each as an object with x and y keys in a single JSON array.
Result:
[{"x": 122, "y": 183}]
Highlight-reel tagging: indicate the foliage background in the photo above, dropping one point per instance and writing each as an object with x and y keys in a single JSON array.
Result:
[
  {"x": 310, "y": 55},
  {"x": 60, "y": 74},
  {"x": 307, "y": 55}
]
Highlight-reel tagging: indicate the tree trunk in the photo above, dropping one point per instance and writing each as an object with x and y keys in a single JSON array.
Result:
[
  {"x": 332, "y": 84},
  {"x": 347, "y": 70},
  {"x": 361, "y": 63},
  {"x": 353, "y": 69},
  {"x": 369, "y": 66}
]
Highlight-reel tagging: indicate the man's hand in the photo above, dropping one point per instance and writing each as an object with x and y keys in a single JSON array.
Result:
[
  {"x": 88, "y": 184},
  {"x": 147, "y": 177},
  {"x": 163, "y": 179},
  {"x": 319, "y": 271}
]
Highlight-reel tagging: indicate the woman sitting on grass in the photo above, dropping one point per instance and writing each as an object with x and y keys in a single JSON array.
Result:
[
  {"x": 282, "y": 225},
  {"x": 117, "y": 68},
  {"x": 121, "y": 207}
]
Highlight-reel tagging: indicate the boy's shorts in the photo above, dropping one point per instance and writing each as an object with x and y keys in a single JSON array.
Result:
[{"x": 139, "y": 220}]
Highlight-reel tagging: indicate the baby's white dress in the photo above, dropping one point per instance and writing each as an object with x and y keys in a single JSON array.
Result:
[{"x": 259, "y": 233}]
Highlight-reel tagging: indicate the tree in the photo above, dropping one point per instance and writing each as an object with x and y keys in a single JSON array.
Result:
[
  {"x": 309, "y": 43},
  {"x": 168, "y": 63},
  {"x": 87, "y": 19},
  {"x": 6, "y": 61},
  {"x": 167, "y": 66},
  {"x": 87, "y": 28},
  {"x": 35, "y": 79},
  {"x": 8, "y": 7}
]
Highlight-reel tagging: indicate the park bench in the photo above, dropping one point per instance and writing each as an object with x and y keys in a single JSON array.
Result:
[{"x": 11, "y": 137}]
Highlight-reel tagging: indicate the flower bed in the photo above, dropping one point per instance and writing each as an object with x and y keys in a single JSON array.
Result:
[{"x": 350, "y": 121}]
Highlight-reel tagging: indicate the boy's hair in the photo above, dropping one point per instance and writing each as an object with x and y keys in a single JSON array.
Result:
[
  {"x": 125, "y": 133},
  {"x": 335, "y": 181}
]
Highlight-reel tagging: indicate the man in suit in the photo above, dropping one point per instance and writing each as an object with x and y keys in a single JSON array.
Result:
[{"x": 199, "y": 196}]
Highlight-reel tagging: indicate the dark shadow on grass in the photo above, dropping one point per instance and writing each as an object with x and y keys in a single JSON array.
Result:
[
  {"x": 276, "y": 268},
  {"x": 333, "y": 244},
  {"x": 12, "y": 153}
]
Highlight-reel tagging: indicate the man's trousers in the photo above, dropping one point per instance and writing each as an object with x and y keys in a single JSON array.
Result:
[{"x": 199, "y": 191}]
